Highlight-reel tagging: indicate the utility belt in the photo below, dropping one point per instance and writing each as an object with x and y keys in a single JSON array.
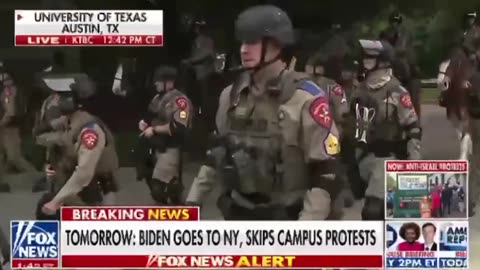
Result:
[
  {"x": 161, "y": 142},
  {"x": 383, "y": 148},
  {"x": 237, "y": 206},
  {"x": 101, "y": 184}
]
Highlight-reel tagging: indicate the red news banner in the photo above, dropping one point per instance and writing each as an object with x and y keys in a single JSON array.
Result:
[
  {"x": 79, "y": 28},
  {"x": 104, "y": 40},
  {"x": 158, "y": 237}
]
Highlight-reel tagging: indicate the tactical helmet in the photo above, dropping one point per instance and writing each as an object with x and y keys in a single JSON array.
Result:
[
  {"x": 396, "y": 17},
  {"x": 73, "y": 88},
  {"x": 83, "y": 86},
  {"x": 265, "y": 21},
  {"x": 200, "y": 22},
  {"x": 470, "y": 15},
  {"x": 381, "y": 50},
  {"x": 336, "y": 26},
  {"x": 165, "y": 73},
  {"x": 320, "y": 60}
]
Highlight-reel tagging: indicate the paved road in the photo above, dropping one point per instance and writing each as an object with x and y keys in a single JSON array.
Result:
[{"x": 439, "y": 143}]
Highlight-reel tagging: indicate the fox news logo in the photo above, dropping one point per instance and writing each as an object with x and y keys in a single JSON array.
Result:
[{"x": 34, "y": 239}]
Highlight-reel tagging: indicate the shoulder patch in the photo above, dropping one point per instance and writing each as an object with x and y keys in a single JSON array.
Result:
[
  {"x": 312, "y": 88},
  {"x": 320, "y": 112},
  {"x": 182, "y": 103},
  {"x": 338, "y": 90},
  {"x": 331, "y": 144},
  {"x": 406, "y": 101},
  {"x": 89, "y": 139}
]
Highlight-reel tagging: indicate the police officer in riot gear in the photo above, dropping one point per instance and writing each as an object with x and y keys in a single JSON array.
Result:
[
  {"x": 278, "y": 143},
  {"x": 383, "y": 113},
  {"x": 338, "y": 102},
  {"x": 171, "y": 118},
  {"x": 404, "y": 65},
  {"x": 90, "y": 161},
  {"x": 468, "y": 40},
  {"x": 469, "y": 20},
  {"x": 202, "y": 61}
]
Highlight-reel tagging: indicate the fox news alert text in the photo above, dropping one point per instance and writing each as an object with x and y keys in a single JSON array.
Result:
[
  {"x": 89, "y": 239},
  {"x": 426, "y": 244},
  {"x": 88, "y": 28}
]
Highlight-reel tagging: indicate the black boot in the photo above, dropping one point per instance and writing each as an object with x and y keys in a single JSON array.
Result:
[
  {"x": 4, "y": 188},
  {"x": 40, "y": 185}
]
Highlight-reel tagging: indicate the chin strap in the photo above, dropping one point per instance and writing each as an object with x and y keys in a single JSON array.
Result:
[{"x": 261, "y": 64}]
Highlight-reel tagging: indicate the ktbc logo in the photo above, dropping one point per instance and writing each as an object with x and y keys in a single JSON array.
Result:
[{"x": 41, "y": 238}]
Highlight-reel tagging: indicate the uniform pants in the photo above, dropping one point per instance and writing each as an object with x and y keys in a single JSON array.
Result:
[
  {"x": 372, "y": 170},
  {"x": 12, "y": 149},
  {"x": 167, "y": 165},
  {"x": 474, "y": 177}
]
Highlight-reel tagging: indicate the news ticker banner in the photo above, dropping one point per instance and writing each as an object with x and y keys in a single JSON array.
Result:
[
  {"x": 146, "y": 237},
  {"x": 80, "y": 28},
  {"x": 411, "y": 180},
  {"x": 427, "y": 245}
]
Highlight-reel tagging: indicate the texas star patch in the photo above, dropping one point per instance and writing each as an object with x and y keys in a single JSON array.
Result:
[
  {"x": 331, "y": 144},
  {"x": 320, "y": 111},
  {"x": 406, "y": 101},
  {"x": 89, "y": 139},
  {"x": 182, "y": 103}
]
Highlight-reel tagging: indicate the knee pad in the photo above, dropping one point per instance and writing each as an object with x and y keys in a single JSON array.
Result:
[
  {"x": 158, "y": 191},
  {"x": 373, "y": 209}
]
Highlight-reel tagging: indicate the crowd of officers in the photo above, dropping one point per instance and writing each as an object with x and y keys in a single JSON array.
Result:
[{"x": 278, "y": 133}]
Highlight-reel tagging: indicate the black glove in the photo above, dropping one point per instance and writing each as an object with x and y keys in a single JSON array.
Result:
[{"x": 39, "y": 215}]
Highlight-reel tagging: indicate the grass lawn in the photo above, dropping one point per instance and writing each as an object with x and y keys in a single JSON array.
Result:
[{"x": 430, "y": 95}]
